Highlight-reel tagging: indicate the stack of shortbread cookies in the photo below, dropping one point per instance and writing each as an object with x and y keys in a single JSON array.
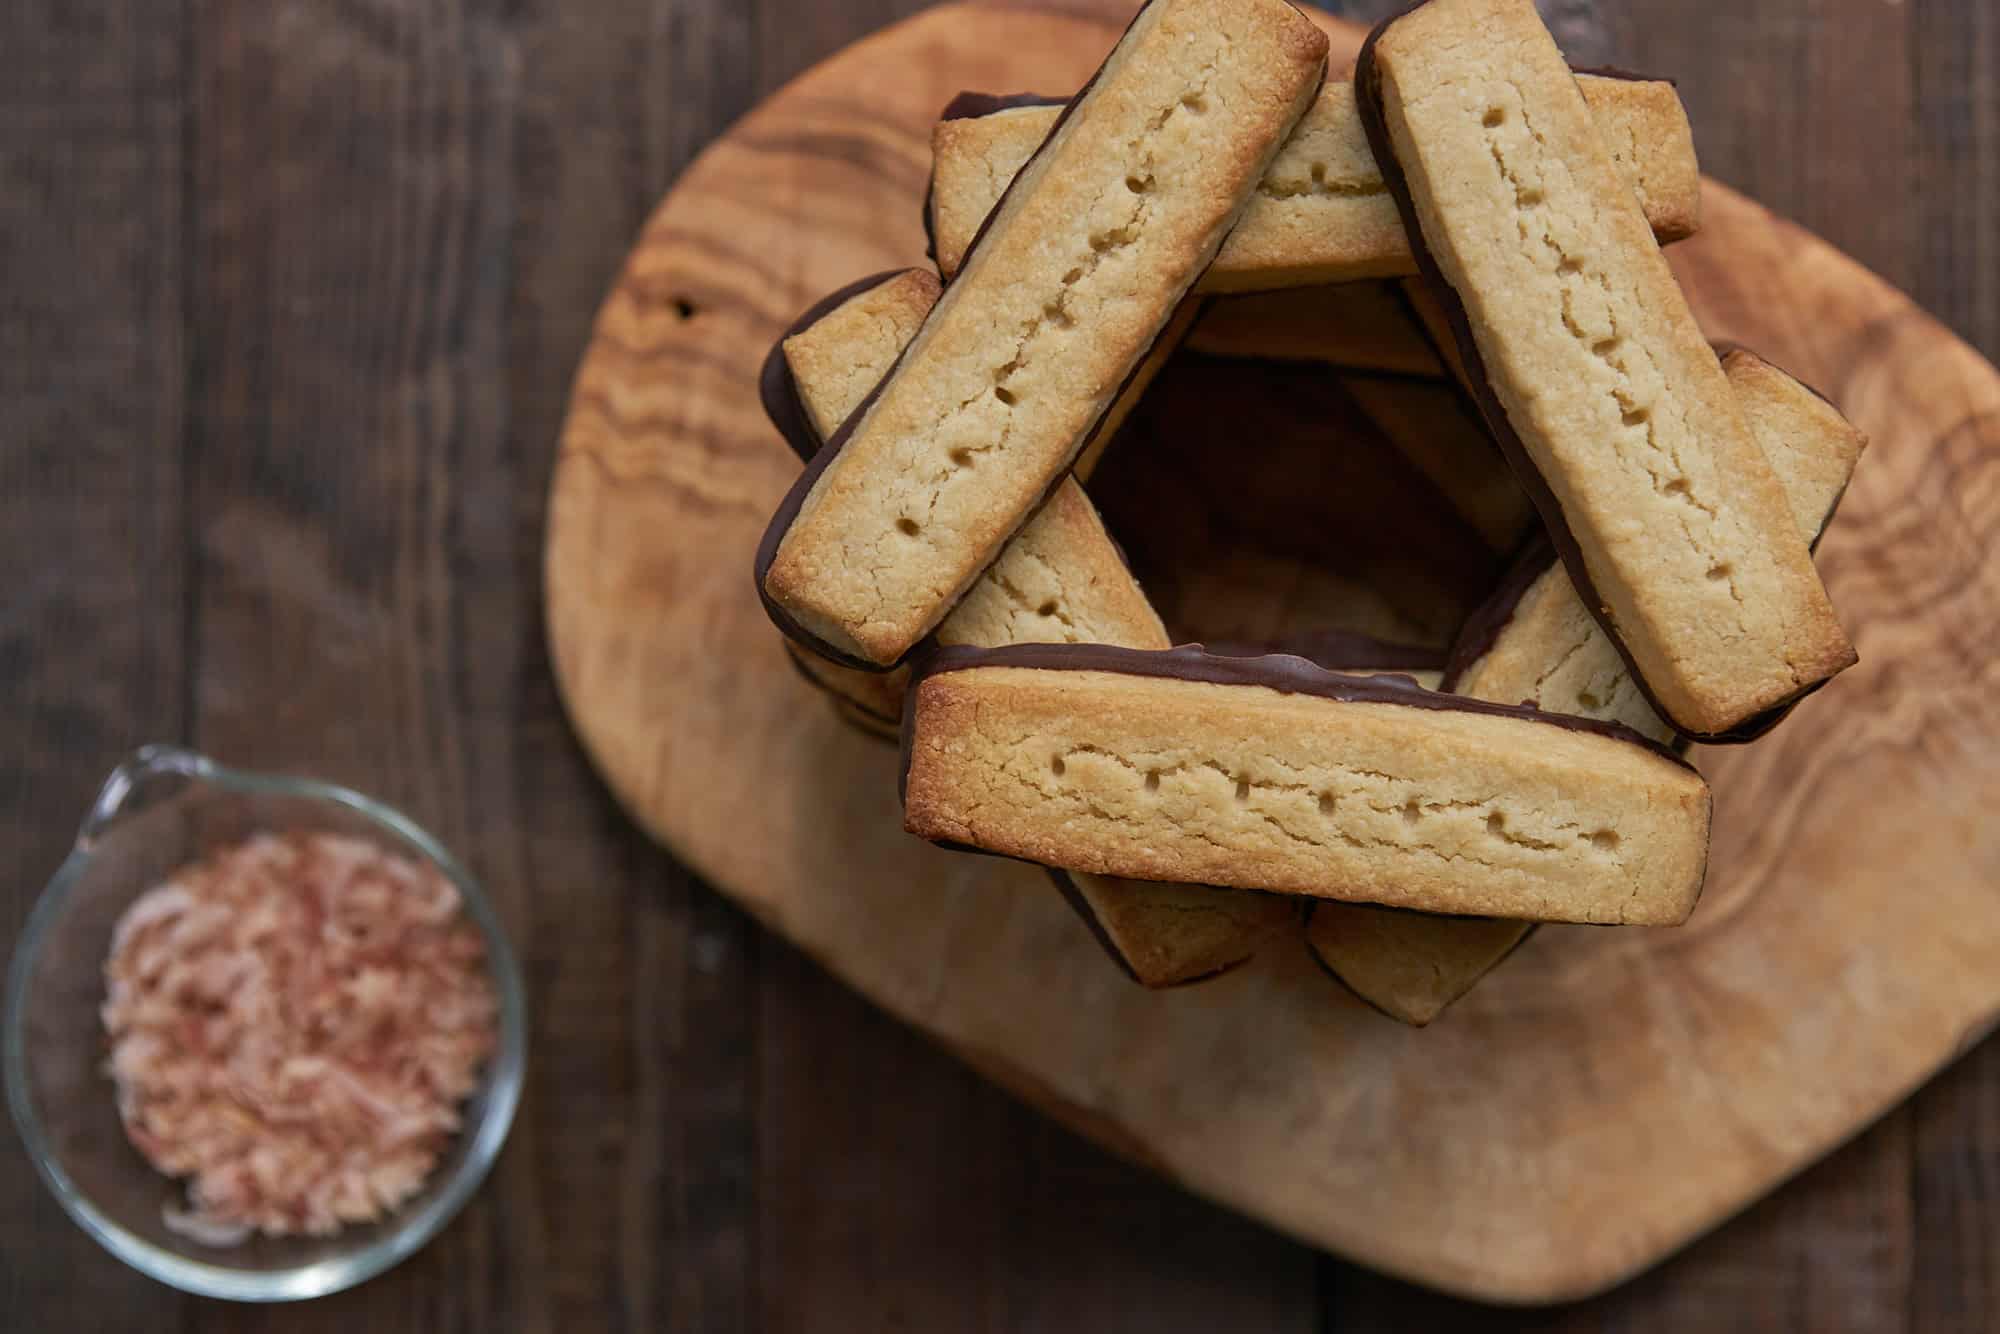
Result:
[{"x": 1386, "y": 386}]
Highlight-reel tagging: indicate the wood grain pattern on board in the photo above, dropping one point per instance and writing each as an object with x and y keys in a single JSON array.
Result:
[{"x": 1601, "y": 1100}]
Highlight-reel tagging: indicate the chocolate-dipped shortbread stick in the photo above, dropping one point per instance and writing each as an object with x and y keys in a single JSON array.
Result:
[
  {"x": 1270, "y": 773},
  {"x": 1322, "y": 213},
  {"x": 817, "y": 373},
  {"x": 823, "y": 366},
  {"x": 1591, "y": 370},
  {"x": 1079, "y": 267},
  {"x": 1061, "y": 578},
  {"x": 968, "y": 106},
  {"x": 1533, "y": 642}
]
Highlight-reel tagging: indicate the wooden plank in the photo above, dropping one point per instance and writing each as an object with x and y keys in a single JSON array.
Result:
[
  {"x": 92, "y": 634},
  {"x": 1956, "y": 67},
  {"x": 1956, "y": 1120},
  {"x": 900, "y": 1190},
  {"x": 363, "y": 599},
  {"x": 648, "y": 1051},
  {"x": 1956, "y": 1188}
]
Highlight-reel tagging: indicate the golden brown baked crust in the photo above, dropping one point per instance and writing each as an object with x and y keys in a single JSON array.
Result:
[
  {"x": 1061, "y": 579},
  {"x": 1440, "y": 810},
  {"x": 1082, "y": 263},
  {"x": 1321, "y": 214},
  {"x": 1171, "y": 337},
  {"x": 1665, "y": 507},
  {"x": 1550, "y": 652},
  {"x": 844, "y": 353},
  {"x": 1811, "y": 447}
]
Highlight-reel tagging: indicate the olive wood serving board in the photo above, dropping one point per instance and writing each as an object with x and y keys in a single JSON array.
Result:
[{"x": 1594, "y": 1104}]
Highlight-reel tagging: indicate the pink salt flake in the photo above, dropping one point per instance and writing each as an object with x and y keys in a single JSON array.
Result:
[{"x": 294, "y": 1023}]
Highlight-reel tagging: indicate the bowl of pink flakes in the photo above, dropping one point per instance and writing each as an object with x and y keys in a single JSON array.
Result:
[{"x": 263, "y": 1036}]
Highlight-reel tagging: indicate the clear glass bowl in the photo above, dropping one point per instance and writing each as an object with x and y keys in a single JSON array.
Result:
[{"x": 162, "y": 808}]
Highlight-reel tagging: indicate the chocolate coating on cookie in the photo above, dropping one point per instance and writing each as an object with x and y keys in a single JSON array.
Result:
[
  {"x": 1281, "y": 672},
  {"x": 1482, "y": 628},
  {"x": 1340, "y": 651},
  {"x": 1368, "y": 100},
  {"x": 970, "y": 105},
  {"x": 1622, "y": 74}
]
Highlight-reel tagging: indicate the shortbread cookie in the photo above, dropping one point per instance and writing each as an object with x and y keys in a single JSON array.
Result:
[
  {"x": 1534, "y": 643},
  {"x": 980, "y": 141},
  {"x": 846, "y": 342},
  {"x": 1078, "y": 268},
  {"x": 1322, "y": 214},
  {"x": 1355, "y": 326},
  {"x": 1811, "y": 447},
  {"x": 1411, "y": 966},
  {"x": 1165, "y": 935},
  {"x": 968, "y": 107},
  {"x": 817, "y": 372},
  {"x": 1439, "y": 429},
  {"x": 1061, "y": 578},
  {"x": 1591, "y": 369},
  {"x": 1169, "y": 341},
  {"x": 1269, "y": 773},
  {"x": 842, "y": 347}
]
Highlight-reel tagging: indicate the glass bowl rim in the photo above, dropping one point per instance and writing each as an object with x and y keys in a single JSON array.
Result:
[{"x": 406, "y": 1234}]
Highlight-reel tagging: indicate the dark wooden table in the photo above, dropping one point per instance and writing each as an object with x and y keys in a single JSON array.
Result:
[{"x": 290, "y": 294}]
